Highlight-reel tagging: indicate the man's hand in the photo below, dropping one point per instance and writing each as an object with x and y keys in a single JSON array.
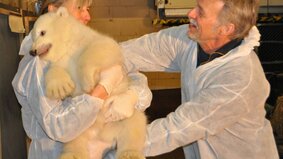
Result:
[{"x": 120, "y": 106}]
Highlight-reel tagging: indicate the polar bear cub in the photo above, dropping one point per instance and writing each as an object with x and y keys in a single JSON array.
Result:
[{"x": 77, "y": 54}]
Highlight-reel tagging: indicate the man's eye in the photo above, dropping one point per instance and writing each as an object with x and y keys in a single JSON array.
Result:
[
  {"x": 79, "y": 7},
  {"x": 42, "y": 33}
]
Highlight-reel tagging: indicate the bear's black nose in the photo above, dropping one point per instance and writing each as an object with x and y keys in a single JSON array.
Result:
[{"x": 32, "y": 52}]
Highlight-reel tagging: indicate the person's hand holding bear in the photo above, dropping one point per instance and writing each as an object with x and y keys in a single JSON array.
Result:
[
  {"x": 109, "y": 79},
  {"x": 119, "y": 106}
]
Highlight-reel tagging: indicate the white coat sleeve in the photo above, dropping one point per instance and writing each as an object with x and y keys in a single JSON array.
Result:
[
  {"x": 152, "y": 52},
  {"x": 156, "y": 51},
  {"x": 210, "y": 111},
  {"x": 140, "y": 85},
  {"x": 61, "y": 120}
]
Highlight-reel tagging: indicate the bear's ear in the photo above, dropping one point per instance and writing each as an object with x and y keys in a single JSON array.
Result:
[{"x": 62, "y": 12}]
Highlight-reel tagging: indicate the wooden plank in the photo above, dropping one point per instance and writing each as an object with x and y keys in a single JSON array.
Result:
[{"x": 7, "y": 10}]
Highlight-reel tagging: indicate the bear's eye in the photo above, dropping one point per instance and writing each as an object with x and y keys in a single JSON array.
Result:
[{"x": 42, "y": 33}]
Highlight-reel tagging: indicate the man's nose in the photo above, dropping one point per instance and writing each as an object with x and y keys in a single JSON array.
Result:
[{"x": 192, "y": 13}]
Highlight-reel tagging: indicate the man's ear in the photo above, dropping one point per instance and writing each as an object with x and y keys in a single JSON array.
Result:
[
  {"x": 227, "y": 29},
  {"x": 62, "y": 11}
]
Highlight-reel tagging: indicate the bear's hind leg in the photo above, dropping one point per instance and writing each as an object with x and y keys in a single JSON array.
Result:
[
  {"x": 76, "y": 149},
  {"x": 131, "y": 139}
]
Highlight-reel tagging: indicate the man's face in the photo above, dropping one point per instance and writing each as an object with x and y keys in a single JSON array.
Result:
[{"x": 204, "y": 20}]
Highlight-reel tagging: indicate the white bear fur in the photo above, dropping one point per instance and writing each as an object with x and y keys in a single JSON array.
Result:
[{"x": 77, "y": 54}]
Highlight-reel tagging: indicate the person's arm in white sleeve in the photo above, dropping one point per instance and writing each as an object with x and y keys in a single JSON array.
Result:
[
  {"x": 207, "y": 113},
  {"x": 158, "y": 51},
  {"x": 139, "y": 85},
  {"x": 151, "y": 53},
  {"x": 61, "y": 120}
]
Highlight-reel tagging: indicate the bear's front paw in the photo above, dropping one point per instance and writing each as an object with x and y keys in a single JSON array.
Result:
[
  {"x": 60, "y": 88},
  {"x": 130, "y": 154},
  {"x": 59, "y": 84}
]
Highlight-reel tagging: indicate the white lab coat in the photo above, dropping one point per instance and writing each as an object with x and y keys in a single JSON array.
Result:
[
  {"x": 222, "y": 114},
  {"x": 50, "y": 122}
]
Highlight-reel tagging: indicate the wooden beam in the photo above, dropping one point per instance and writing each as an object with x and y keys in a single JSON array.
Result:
[{"x": 7, "y": 10}]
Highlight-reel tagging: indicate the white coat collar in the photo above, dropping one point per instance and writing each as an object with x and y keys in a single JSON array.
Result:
[
  {"x": 244, "y": 49},
  {"x": 248, "y": 43}
]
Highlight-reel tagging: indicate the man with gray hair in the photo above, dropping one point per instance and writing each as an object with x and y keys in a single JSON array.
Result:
[{"x": 223, "y": 85}]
